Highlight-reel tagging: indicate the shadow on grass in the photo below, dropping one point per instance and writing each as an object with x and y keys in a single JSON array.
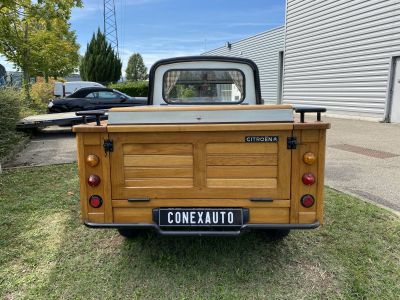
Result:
[
  {"x": 152, "y": 266},
  {"x": 199, "y": 252},
  {"x": 45, "y": 253}
]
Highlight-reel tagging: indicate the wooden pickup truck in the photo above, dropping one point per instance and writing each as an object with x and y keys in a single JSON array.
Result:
[{"x": 204, "y": 157}]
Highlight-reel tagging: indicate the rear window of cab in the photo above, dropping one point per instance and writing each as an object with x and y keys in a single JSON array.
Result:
[{"x": 204, "y": 86}]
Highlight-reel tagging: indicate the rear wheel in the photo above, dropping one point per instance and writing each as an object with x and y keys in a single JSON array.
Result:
[
  {"x": 129, "y": 233},
  {"x": 276, "y": 234}
]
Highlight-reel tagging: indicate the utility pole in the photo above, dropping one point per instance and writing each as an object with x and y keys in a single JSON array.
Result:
[{"x": 110, "y": 24}]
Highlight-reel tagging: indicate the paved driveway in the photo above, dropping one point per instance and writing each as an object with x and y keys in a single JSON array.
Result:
[
  {"x": 52, "y": 145},
  {"x": 363, "y": 158}
]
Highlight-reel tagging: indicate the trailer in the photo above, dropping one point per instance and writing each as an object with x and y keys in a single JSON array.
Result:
[{"x": 61, "y": 119}]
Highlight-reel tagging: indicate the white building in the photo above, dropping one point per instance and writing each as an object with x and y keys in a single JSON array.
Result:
[
  {"x": 337, "y": 53},
  {"x": 266, "y": 50}
]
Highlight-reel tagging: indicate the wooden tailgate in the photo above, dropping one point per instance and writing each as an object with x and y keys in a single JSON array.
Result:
[{"x": 217, "y": 165}]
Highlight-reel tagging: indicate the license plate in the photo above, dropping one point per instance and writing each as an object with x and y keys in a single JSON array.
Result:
[{"x": 200, "y": 217}]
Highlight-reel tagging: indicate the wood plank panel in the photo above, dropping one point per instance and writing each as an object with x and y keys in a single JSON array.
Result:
[
  {"x": 241, "y": 183},
  {"x": 92, "y": 139},
  {"x": 300, "y": 214},
  {"x": 258, "y": 215},
  {"x": 269, "y": 215},
  {"x": 82, "y": 175},
  {"x": 311, "y": 125},
  {"x": 182, "y": 149},
  {"x": 197, "y": 192},
  {"x": 307, "y": 217},
  {"x": 201, "y": 203},
  {"x": 295, "y": 181},
  {"x": 233, "y": 127},
  {"x": 101, "y": 189},
  {"x": 158, "y": 160},
  {"x": 96, "y": 217},
  {"x": 310, "y": 136},
  {"x": 142, "y": 172},
  {"x": 304, "y": 168},
  {"x": 159, "y": 182},
  {"x": 242, "y": 160},
  {"x": 133, "y": 215},
  {"x": 187, "y": 137},
  {"x": 242, "y": 148},
  {"x": 320, "y": 175},
  {"x": 199, "y": 161},
  {"x": 284, "y": 166},
  {"x": 90, "y": 127},
  {"x": 242, "y": 171},
  {"x": 105, "y": 164}
]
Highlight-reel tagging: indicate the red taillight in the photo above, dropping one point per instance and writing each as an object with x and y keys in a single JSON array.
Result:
[
  {"x": 307, "y": 200},
  {"x": 308, "y": 179},
  {"x": 93, "y": 180},
  {"x": 95, "y": 201}
]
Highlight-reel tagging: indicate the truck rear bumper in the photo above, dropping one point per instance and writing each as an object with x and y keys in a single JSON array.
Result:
[{"x": 244, "y": 228}]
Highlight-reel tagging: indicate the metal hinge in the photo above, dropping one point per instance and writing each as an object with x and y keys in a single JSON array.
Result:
[
  {"x": 291, "y": 142},
  {"x": 108, "y": 146}
]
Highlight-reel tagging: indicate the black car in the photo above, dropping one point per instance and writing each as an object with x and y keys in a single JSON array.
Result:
[{"x": 92, "y": 98}]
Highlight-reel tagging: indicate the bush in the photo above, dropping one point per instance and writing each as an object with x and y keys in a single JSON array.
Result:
[
  {"x": 187, "y": 93},
  {"x": 132, "y": 88},
  {"x": 10, "y": 103},
  {"x": 41, "y": 93}
]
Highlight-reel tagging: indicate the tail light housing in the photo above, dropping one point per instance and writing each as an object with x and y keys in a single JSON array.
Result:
[
  {"x": 307, "y": 200},
  {"x": 309, "y": 158},
  {"x": 93, "y": 180},
  {"x": 95, "y": 201},
  {"x": 92, "y": 160},
  {"x": 308, "y": 178}
]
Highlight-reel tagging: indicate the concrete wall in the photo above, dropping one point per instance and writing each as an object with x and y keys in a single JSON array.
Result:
[{"x": 263, "y": 49}]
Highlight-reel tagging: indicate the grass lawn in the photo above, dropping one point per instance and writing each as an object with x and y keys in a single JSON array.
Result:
[{"x": 45, "y": 253}]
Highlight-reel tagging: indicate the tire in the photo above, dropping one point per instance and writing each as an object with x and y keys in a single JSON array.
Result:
[
  {"x": 276, "y": 234},
  {"x": 129, "y": 233}
]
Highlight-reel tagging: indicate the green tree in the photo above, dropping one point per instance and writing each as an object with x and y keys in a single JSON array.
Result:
[
  {"x": 22, "y": 23},
  {"x": 187, "y": 93},
  {"x": 100, "y": 63},
  {"x": 136, "y": 70},
  {"x": 57, "y": 50}
]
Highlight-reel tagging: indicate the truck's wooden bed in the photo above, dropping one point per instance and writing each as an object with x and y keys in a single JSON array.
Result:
[{"x": 253, "y": 159}]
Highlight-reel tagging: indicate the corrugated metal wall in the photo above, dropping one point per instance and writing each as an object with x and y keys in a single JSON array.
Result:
[
  {"x": 337, "y": 54},
  {"x": 263, "y": 49}
]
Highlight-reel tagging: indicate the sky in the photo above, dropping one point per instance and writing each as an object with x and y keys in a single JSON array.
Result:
[{"x": 167, "y": 28}]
